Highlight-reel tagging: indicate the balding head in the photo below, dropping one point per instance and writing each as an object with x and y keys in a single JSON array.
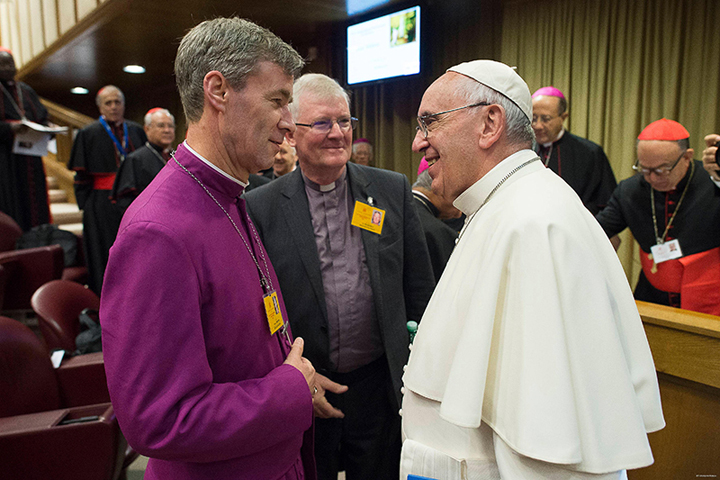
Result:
[
  {"x": 7, "y": 65},
  {"x": 111, "y": 103}
]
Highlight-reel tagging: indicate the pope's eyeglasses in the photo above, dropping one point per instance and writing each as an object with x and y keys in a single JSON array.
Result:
[{"x": 424, "y": 121}]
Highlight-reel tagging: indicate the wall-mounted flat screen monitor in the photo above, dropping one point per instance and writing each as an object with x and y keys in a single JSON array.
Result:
[{"x": 384, "y": 47}]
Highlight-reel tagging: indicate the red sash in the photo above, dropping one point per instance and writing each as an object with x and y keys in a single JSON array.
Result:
[
  {"x": 695, "y": 277},
  {"x": 103, "y": 181}
]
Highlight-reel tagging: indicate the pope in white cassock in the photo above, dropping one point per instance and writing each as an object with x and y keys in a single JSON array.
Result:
[{"x": 531, "y": 361}]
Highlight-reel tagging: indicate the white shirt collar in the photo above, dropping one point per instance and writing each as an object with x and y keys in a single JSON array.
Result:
[
  {"x": 472, "y": 199},
  {"x": 562, "y": 132},
  {"x": 213, "y": 166}
]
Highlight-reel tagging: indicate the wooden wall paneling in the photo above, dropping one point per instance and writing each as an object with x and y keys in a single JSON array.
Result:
[
  {"x": 36, "y": 26},
  {"x": 686, "y": 349},
  {"x": 66, "y": 15},
  {"x": 4, "y": 24},
  {"x": 24, "y": 30},
  {"x": 84, "y": 7},
  {"x": 50, "y": 21},
  {"x": 689, "y": 445}
]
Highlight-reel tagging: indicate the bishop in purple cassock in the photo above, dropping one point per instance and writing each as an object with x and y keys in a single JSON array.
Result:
[{"x": 199, "y": 380}]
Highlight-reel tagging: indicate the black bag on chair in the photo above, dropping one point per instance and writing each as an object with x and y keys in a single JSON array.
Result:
[
  {"x": 44, "y": 235},
  {"x": 89, "y": 340}
]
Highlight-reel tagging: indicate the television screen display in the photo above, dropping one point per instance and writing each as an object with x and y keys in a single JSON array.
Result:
[{"x": 384, "y": 47}]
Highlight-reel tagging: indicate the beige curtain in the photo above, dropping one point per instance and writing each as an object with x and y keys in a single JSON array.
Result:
[
  {"x": 622, "y": 64},
  {"x": 456, "y": 31}
]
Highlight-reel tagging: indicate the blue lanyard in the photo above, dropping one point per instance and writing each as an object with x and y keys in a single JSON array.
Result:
[{"x": 119, "y": 146}]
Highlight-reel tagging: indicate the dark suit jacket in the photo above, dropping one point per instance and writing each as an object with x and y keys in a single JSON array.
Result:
[
  {"x": 439, "y": 236},
  {"x": 401, "y": 277}
]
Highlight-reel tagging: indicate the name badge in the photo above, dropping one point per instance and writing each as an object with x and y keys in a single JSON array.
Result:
[
  {"x": 273, "y": 312},
  {"x": 368, "y": 217},
  {"x": 663, "y": 252}
]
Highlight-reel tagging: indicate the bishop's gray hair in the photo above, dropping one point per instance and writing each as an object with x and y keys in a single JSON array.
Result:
[
  {"x": 233, "y": 47},
  {"x": 106, "y": 89},
  {"x": 519, "y": 129},
  {"x": 424, "y": 181},
  {"x": 318, "y": 85},
  {"x": 149, "y": 115}
]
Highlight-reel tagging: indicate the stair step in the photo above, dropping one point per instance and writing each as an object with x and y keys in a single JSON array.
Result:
[
  {"x": 57, "y": 196},
  {"x": 52, "y": 183},
  {"x": 64, "y": 213},
  {"x": 76, "y": 228}
]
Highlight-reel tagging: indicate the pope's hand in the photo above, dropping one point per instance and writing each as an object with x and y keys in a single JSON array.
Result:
[
  {"x": 296, "y": 359},
  {"x": 322, "y": 407}
]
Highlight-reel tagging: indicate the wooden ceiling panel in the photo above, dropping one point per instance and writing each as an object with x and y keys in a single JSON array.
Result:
[{"x": 148, "y": 32}]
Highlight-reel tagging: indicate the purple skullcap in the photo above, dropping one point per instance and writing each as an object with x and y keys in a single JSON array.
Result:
[
  {"x": 549, "y": 91},
  {"x": 361, "y": 140},
  {"x": 423, "y": 166}
]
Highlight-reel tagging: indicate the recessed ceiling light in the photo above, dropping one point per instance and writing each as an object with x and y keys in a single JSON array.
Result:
[
  {"x": 80, "y": 90},
  {"x": 134, "y": 69}
]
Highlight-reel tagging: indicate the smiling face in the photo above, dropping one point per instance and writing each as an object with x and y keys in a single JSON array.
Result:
[
  {"x": 161, "y": 130},
  {"x": 322, "y": 156},
  {"x": 451, "y": 147},
  {"x": 663, "y": 154},
  {"x": 256, "y": 119},
  {"x": 548, "y": 122}
]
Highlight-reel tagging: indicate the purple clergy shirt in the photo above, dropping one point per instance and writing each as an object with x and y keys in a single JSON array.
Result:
[
  {"x": 354, "y": 331},
  {"x": 197, "y": 380}
]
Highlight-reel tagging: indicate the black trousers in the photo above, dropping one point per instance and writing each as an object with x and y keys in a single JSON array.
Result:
[{"x": 366, "y": 443}]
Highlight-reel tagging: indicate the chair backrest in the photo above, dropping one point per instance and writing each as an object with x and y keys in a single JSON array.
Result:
[
  {"x": 10, "y": 231},
  {"x": 29, "y": 270},
  {"x": 58, "y": 304},
  {"x": 28, "y": 383},
  {"x": 3, "y": 280}
]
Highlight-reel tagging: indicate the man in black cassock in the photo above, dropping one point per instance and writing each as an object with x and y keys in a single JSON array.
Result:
[
  {"x": 432, "y": 210},
  {"x": 98, "y": 150},
  {"x": 23, "y": 188},
  {"x": 141, "y": 166},
  {"x": 580, "y": 162},
  {"x": 672, "y": 208}
]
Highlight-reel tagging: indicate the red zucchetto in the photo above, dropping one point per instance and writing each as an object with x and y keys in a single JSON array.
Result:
[{"x": 664, "y": 129}]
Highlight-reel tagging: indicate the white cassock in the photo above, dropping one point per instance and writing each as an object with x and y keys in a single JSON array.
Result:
[{"x": 531, "y": 360}]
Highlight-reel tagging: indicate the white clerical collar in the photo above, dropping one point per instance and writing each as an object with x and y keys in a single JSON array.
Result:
[
  {"x": 472, "y": 199},
  {"x": 421, "y": 194},
  {"x": 562, "y": 132},
  {"x": 213, "y": 166},
  {"x": 325, "y": 188}
]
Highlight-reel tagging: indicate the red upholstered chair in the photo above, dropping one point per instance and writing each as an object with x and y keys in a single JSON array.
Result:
[
  {"x": 27, "y": 270},
  {"x": 51, "y": 424},
  {"x": 58, "y": 304},
  {"x": 10, "y": 231},
  {"x": 3, "y": 280}
]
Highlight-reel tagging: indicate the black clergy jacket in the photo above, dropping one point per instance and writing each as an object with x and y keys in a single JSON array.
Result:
[
  {"x": 584, "y": 166},
  {"x": 696, "y": 225}
]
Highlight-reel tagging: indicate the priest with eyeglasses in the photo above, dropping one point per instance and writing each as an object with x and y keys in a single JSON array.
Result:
[{"x": 672, "y": 208}]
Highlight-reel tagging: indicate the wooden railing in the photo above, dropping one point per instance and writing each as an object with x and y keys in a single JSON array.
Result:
[
  {"x": 686, "y": 350},
  {"x": 56, "y": 165}
]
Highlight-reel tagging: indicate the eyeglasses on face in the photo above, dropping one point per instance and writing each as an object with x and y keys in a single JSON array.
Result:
[
  {"x": 424, "y": 121},
  {"x": 543, "y": 119},
  {"x": 324, "y": 126},
  {"x": 660, "y": 171}
]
